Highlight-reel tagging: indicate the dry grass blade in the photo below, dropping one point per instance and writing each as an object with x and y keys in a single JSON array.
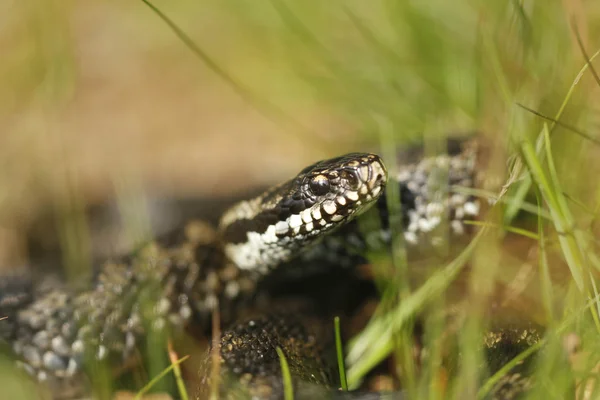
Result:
[
  {"x": 262, "y": 104},
  {"x": 157, "y": 378},
  {"x": 562, "y": 124},
  {"x": 584, "y": 52},
  {"x": 177, "y": 371}
]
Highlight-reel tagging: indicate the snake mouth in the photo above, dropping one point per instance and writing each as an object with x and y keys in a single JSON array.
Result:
[
  {"x": 372, "y": 176},
  {"x": 376, "y": 177}
]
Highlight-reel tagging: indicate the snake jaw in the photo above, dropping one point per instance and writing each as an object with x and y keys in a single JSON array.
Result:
[{"x": 275, "y": 227}]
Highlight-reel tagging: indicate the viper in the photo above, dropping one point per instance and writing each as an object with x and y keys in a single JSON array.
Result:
[{"x": 59, "y": 331}]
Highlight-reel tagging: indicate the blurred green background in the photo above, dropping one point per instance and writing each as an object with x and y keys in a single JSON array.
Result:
[{"x": 97, "y": 94}]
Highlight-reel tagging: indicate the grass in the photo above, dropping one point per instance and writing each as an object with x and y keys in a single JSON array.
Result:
[
  {"x": 173, "y": 367},
  {"x": 288, "y": 388},
  {"x": 177, "y": 372},
  {"x": 390, "y": 73},
  {"x": 340, "y": 354},
  {"x": 365, "y": 352}
]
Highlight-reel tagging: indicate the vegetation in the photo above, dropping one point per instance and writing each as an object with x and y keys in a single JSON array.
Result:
[{"x": 521, "y": 73}]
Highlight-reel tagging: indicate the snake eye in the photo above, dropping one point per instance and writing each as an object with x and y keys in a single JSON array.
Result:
[
  {"x": 319, "y": 185},
  {"x": 352, "y": 180}
]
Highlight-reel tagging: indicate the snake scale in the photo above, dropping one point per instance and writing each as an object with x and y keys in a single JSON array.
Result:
[{"x": 59, "y": 331}]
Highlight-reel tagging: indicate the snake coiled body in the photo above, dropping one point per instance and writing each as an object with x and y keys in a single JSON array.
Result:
[{"x": 56, "y": 330}]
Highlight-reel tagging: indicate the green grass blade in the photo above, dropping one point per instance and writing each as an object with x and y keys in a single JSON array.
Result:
[
  {"x": 525, "y": 185},
  {"x": 560, "y": 329},
  {"x": 489, "y": 384},
  {"x": 158, "y": 377},
  {"x": 177, "y": 372},
  {"x": 569, "y": 248},
  {"x": 340, "y": 354},
  {"x": 376, "y": 341},
  {"x": 545, "y": 281},
  {"x": 512, "y": 229},
  {"x": 288, "y": 387}
]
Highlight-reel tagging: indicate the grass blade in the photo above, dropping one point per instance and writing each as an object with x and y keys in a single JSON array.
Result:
[
  {"x": 288, "y": 388},
  {"x": 158, "y": 377},
  {"x": 525, "y": 185},
  {"x": 376, "y": 341},
  {"x": 340, "y": 354},
  {"x": 569, "y": 248},
  {"x": 177, "y": 372},
  {"x": 262, "y": 104}
]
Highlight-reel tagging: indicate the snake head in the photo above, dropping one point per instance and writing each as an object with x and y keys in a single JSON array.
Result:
[
  {"x": 273, "y": 228},
  {"x": 333, "y": 190}
]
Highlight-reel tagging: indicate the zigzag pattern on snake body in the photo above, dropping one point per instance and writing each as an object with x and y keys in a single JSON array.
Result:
[{"x": 57, "y": 330}]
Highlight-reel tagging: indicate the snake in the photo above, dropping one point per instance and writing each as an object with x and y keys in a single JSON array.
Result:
[{"x": 59, "y": 332}]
